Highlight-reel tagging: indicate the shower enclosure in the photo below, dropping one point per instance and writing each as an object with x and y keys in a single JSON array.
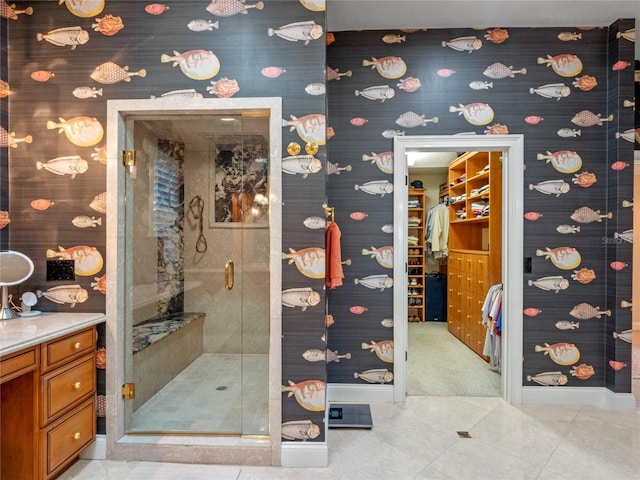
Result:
[{"x": 193, "y": 289}]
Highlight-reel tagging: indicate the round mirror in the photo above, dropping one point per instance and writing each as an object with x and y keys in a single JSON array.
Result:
[{"x": 15, "y": 268}]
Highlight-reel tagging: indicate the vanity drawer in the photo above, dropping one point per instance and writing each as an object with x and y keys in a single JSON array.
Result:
[
  {"x": 72, "y": 346},
  {"x": 66, "y": 438},
  {"x": 67, "y": 386},
  {"x": 15, "y": 364}
]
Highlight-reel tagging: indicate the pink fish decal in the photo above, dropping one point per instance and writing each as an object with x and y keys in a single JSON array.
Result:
[
  {"x": 41, "y": 204},
  {"x": 533, "y": 119},
  {"x": 227, "y": 8},
  {"x": 533, "y": 216},
  {"x": 358, "y": 215},
  {"x": 617, "y": 265},
  {"x": 357, "y": 309},
  {"x": 445, "y": 72},
  {"x": 309, "y": 394},
  {"x": 617, "y": 365},
  {"x": 531, "y": 312},
  {"x": 620, "y": 65},
  {"x": 358, "y": 121},
  {"x": 156, "y": 8},
  {"x": 272, "y": 72},
  {"x": 42, "y": 75},
  {"x": 619, "y": 165}
]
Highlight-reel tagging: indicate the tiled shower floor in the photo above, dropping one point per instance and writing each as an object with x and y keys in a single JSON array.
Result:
[{"x": 207, "y": 396}]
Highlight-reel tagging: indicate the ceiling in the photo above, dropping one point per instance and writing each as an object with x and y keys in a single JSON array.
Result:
[{"x": 396, "y": 14}]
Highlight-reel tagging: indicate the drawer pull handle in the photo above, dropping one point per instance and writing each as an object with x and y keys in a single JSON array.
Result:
[
  {"x": 76, "y": 345},
  {"x": 77, "y": 385},
  {"x": 76, "y": 436}
]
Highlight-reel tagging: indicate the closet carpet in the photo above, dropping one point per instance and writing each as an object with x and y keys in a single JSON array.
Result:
[{"x": 440, "y": 365}]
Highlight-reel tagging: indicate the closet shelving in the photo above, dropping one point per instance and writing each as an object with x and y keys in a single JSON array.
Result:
[
  {"x": 475, "y": 242},
  {"x": 416, "y": 265}
]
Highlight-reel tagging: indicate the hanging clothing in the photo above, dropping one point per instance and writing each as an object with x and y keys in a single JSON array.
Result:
[
  {"x": 333, "y": 273},
  {"x": 437, "y": 231},
  {"x": 492, "y": 320}
]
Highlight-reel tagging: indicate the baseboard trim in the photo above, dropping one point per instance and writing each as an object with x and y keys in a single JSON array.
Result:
[
  {"x": 346, "y": 392},
  {"x": 97, "y": 450},
  {"x": 597, "y": 397},
  {"x": 311, "y": 454}
]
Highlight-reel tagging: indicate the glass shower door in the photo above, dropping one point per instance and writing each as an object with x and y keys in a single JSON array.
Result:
[{"x": 197, "y": 263}]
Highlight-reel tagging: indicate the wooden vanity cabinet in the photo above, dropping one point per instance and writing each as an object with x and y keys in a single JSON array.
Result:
[{"x": 48, "y": 406}]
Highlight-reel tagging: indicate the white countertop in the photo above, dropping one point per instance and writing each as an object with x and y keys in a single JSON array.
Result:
[{"x": 23, "y": 332}]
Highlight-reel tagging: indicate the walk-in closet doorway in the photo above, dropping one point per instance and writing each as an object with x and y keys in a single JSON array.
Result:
[{"x": 510, "y": 149}]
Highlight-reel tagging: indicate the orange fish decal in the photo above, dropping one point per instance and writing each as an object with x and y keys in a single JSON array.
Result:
[{"x": 42, "y": 75}]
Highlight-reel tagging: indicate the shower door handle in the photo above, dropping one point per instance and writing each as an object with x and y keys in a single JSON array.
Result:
[{"x": 228, "y": 275}]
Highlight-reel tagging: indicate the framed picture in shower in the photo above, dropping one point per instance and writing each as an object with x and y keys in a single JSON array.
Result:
[{"x": 239, "y": 180}]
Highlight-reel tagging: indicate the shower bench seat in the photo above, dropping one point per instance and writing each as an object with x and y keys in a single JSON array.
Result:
[{"x": 163, "y": 346}]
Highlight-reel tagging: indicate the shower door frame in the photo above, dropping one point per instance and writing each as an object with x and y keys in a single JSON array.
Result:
[{"x": 177, "y": 448}]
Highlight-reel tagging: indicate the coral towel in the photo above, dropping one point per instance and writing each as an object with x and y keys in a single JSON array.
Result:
[{"x": 333, "y": 269}]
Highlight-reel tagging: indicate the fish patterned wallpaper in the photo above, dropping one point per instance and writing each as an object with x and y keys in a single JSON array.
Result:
[
  {"x": 68, "y": 58},
  {"x": 570, "y": 91}
]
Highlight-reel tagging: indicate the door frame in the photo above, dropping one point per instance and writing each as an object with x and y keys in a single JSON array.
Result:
[
  {"x": 119, "y": 445},
  {"x": 512, "y": 148}
]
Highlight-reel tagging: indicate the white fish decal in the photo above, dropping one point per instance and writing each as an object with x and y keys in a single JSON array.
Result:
[
  {"x": 315, "y": 89},
  {"x": 316, "y": 355},
  {"x": 303, "y": 164},
  {"x": 390, "y": 133},
  {"x": 72, "y": 165},
  {"x": 627, "y": 235},
  {"x": 387, "y": 228},
  {"x": 552, "y": 284},
  {"x": 629, "y": 135},
  {"x": 627, "y": 35},
  {"x": 625, "y": 335},
  {"x": 464, "y": 44},
  {"x": 500, "y": 70},
  {"x": 228, "y": 8},
  {"x": 300, "y": 430},
  {"x": 383, "y": 160},
  {"x": 315, "y": 223},
  {"x": 475, "y": 113},
  {"x": 309, "y": 261},
  {"x": 87, "y": 92},
  {"x": 567, "y": 325},
  {"x": 549, "y": 379},
  {"x": 65, "y": 37},
  {"x": 81, "y": 131},
  {"x": 376, "y": 187},
  {"x": 71, "y": 294},
  {"x": 551, "y": 187},
  {"x": 184, "y": 93},
  {"x": 293, "y": 32},
  {"x": 300, "y": 297},
  {"x": 564, "y": 161},
  {"x": 309, "y": 394},
  {"x": 200, "y": 25},
  {"x": 387, "y": 323},
  {"x": 566, "y": 229},
  {"x": 383, "y": 255},
  {"x": 375, "y": 282},
  {"x": 310, "y": 128},
  {"x": 378, "y": 92},
  {"x": 85, "y": 221},
  {"x": 552, "y": 90},
  {"x": 195, "y": 64},
  {"x": 412, "y": 119},
  {"x": 480, "y": 85},
  {"x": 383, "y": 349},
  {"x": 569, "y": 132},
  {"x": 376, "y": 375}
]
